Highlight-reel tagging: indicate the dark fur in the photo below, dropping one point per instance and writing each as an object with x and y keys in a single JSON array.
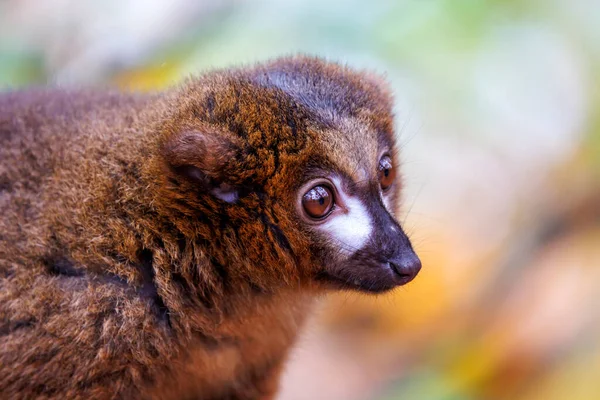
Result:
[{"x": 122, "y": 275}]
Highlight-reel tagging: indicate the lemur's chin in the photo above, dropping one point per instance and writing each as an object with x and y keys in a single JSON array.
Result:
[
  {"x": 372, "y": 279},
  {"x": 366, "y": 286}
]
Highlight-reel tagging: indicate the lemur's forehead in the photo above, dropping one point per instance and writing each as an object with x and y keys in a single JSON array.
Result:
[
  {"x": 293, "y": 111},
  {"x": 354, "y": 148},
  {"x": 350, "y": 111},
  {"x": 326, "y": 89}
]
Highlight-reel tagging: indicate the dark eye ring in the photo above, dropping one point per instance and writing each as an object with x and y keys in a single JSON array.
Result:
[{"x": 318, "y": 201}]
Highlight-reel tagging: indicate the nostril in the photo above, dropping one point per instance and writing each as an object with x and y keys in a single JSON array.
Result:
[
  {"x": 407, "y": 267},
  {"x": 398, "y": 269}
]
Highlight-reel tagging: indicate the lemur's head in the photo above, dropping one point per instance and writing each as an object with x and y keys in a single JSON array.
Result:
[{"x": 288, "y": 172}]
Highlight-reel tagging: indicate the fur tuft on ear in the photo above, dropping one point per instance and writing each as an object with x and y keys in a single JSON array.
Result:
[
  {"x": 202, "y": 156},
  {"x": 208, "y": 151}
]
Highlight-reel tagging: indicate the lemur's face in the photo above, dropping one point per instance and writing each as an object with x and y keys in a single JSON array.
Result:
[
  {"x": 348, "y": 206},
  {"x": 293, "y": 165},
  {"x": 348, "y": 193}
]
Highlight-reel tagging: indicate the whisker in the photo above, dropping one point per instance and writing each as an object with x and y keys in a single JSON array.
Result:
[{"x": 413, "y": 203}]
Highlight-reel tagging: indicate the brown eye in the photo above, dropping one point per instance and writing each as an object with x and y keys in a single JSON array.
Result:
[
  {"x": 386, "y": 172},
  {"x": 318, "y": 202}
]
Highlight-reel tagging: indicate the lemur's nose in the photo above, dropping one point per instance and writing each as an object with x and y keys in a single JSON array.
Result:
[{"x": 407, "y": 265}]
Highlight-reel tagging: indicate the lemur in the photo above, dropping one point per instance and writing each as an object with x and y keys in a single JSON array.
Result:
[{"x": 170, "y": 245}]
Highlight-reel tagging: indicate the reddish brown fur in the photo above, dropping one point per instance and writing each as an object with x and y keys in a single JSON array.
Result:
[{"x": 119, "y": 276}]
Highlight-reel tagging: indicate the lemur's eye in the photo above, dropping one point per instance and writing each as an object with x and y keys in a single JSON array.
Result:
[
  {"x": 318, "y": 202},
  {"x": 386, "y": 172}
]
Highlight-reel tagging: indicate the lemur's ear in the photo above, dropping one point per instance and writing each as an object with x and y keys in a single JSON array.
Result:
[{"x": 202, "y": 156}]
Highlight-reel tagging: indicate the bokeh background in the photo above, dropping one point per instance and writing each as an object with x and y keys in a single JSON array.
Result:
[{"x": 498, "y": 115}]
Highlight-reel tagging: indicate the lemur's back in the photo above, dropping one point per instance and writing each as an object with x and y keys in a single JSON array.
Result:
[
  {"x": 51, "y": 142},
  {"x": 38, "y": 130},
  {"x": 36, "y": 126}
]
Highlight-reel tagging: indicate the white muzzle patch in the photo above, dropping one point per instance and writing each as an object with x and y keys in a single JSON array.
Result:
[{"x": 352, "y": 227}]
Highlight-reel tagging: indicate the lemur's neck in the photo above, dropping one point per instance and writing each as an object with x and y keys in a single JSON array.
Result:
[{"x": 195, "y": 294}]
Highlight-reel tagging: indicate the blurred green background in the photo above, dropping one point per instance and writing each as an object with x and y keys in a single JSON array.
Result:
[{"x": 498, "y": 116}]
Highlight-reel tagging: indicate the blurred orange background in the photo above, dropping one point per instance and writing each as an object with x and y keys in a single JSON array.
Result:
[{"x": 498, "y": 117}]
